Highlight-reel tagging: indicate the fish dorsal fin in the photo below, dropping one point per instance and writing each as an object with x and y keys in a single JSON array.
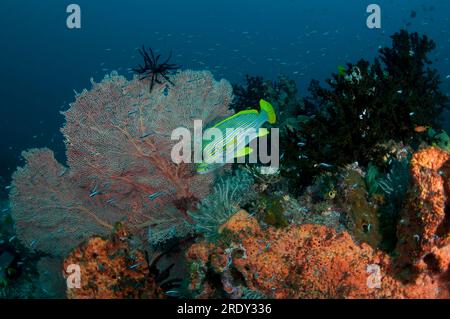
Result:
[
  {"x": 248, "y": 112},
  {"x": 236, "y": 115},
  {"x": 244, "y": 151},
  {"x": 268, "y": 109}
]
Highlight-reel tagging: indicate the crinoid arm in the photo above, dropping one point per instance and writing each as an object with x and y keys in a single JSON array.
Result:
[{"x": 154, "y": 70}]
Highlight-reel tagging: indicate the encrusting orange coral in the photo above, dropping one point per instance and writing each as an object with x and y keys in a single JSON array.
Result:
[
  {"x": 306, "y": 261},
  {"x": 424, "y": 222},
  {"x": 111, "y": 269}
]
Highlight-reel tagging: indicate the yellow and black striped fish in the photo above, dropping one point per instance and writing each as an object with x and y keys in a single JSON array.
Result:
[{"x": 237, "y": 132}]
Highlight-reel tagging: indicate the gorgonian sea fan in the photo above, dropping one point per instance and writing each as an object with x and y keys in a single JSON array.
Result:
[
  {"x": 118, "y": 138},
  {"x": 50, "y": 212}
]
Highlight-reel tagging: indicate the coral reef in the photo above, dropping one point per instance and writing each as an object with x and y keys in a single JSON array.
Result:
[
  {"x": 394, "y": 186},
  {"x": 112, "y": 269},
  {"x": 282, "y": 94},
  {"x": 313, "y": 260},
  {"x": 348, "y": 122},
  {"x": 358, "y": 208},
  {"x": 306, "y": 261},
  {"x": 230, "y": 193},
  {"x": 306, "y": 211},
  {"x": 424, "y": 226},
  {"x": 361, "y": 213},
  {"x": 439, "y": 139},
  {"x": 118, "y": 138}
]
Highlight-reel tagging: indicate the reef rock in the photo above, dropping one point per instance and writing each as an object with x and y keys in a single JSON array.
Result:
[
  {"x": 361, "y": 214},
  {"x": 424, "y": 227},
  {"x": 306, "y": 261},
  {"x": 111, "y": 269}
]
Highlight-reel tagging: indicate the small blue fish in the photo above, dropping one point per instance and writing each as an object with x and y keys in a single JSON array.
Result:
[
  {"x": 172, "y": 293},
  {"x": 147, "y": 135},
  {"x": 110, "y": 201},
  {"x": 12, "y": 238},
  {"x": 94, "y": 192},
  {"x": 154, "y": 196},
  {"x": 135, "y": 266},
  {"x": 62, "y": 173},
  {"x": 323, "y": 165}
]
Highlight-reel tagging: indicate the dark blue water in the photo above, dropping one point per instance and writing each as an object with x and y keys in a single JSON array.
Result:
[{"x": 42, "y": 62}]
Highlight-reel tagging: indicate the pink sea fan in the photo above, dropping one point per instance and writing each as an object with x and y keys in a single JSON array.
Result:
[
  {"x": 118, "y": 138},
  {"x": 49, "y": 212}
]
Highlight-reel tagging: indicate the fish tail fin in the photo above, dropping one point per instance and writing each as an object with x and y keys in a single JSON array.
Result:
[{"x": 269, "y": 110}]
